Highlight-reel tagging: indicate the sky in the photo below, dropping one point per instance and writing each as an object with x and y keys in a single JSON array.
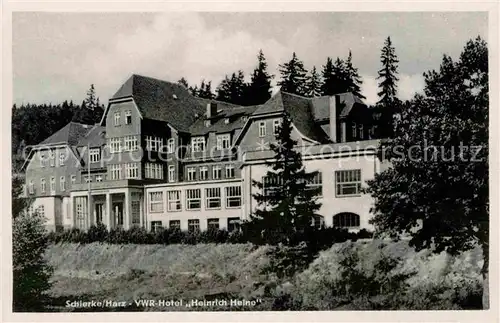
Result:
[{"x": 56, "y": 56}]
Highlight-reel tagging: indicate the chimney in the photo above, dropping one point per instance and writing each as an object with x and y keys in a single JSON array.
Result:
[
  {"x": 211, "y": 109},
  {"x": 333, "y": 118}
]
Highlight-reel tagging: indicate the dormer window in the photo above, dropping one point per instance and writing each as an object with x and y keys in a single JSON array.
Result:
[
  {"x": 226, "y": 121},
  {"x": 223, "y": 141},
  {"x": 128, "y": 117},
  {"x": 95, "y": 155},
  {"x": 207, "y": 123},
  {"x": 198, "y": 144}
]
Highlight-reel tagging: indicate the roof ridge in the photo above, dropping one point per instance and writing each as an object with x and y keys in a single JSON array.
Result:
[{"x": 296, "y": 95}]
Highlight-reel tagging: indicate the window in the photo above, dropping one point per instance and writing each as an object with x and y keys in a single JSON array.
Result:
[
  {"x": 212, "y": 198},
  {"x": 156, "y": 226},
  {"x": 95, "y": 155},
  {"x": 233, "y": 224},
  {"x": 52, "y": 184},
  {"x": 213, "y": 224},
  {"x": 42, "y": 185},
  {"x": 216, "y": 172},
  {"x": 43, "y": 160},
  {"x": 52, "y": 157},
  {"x": 116, "y": 171},
  {"x": 262, "y": 129},
  {"x": 198, "y": 144},
  {"x": 170, "y": 145},
  {"x": 171, "y": 173},
  {"x": 73, "y": 179},
  {"x": 41, "y": 210},
  {"x": 117, "y": 119},
  {"x": 132, "y": 170},
  {"x": 194, "y": 225},
  {"x": 98, "y": 178},
  {"x": 223, "y": 141},
  {"x": 62, "y": 183},
  {"x": 193, "y": 199},
  {"x": 230, "y": 171},
  {"x": 233, "y": 196},
  {"x": 348, "y": 182},
  {"x": 174, "y": 201},
  {"x": 354, "y": 130},
  {"x": 114, "y": 145},
  {"x": 203, "y": 172},
  {"x": 317, "y": 221},
  {"x": 191, "y": 174},
  {"x": 62, "y": 158},
  {"x": 136, "y": 212},
  {"x": 153, "y": 170},
  {"x": 316, "y": 183},
  {"x": 346, "y": 220},
  {"x": 276, "y": 125},
  {"x": 156, "y": 201},
  {"x": 87, "y": 178},
  {"x": 174, "y": 224},
  {"x": 31, "y": 187},
  {"x": 153, "y": 143},
  {"x": 128, "y": 117},
  {"x": 361, "y": 134},
  {"x": 130, "y": 143}
]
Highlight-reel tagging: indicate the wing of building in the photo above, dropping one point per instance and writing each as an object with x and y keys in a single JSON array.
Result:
[{"x": 161, "y": 157}]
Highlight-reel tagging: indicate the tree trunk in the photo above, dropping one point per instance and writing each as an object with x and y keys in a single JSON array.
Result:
[{"x": 485, "y": 273}]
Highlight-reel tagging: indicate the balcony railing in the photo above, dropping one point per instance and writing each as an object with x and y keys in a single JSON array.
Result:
[{"x": 107, "y": 184}]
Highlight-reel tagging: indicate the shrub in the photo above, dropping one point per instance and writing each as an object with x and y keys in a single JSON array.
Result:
[
  {"x": 97, "y": 233},
  {"x": 31, "y": 273},
  {"x": 285, "y": 261}
]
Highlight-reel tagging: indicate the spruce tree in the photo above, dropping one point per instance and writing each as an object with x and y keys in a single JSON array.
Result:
[
  {"x": 313, "y": 84},
  {"x": 353, "y": 79},
  {"x": 183, "y": 82},
  {"x": 259, "y": 89},
  {"x": 205, "y": 90},
  {"x": 335, "y": 77},
  {"x": 290, "y": 206},
  {"x": 293, "y": 75},
  {"x": 328, "y": 85},
  {"x": 233, "y": 89},
  {"x": 388, "y": 74}
]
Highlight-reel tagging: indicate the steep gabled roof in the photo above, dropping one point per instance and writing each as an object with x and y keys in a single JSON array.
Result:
[
  {"x": 161, "y": 100},
  {"x": 95, "y": 137},
  {"x": 69, "y": 134}
]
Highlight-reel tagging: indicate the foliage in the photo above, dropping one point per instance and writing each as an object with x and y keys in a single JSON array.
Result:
[
  {"x": 437, "y": 188},
  {"x": 340, "y": 77},
  {"x": 233, "y": 90},
  {"x": 259, "y": 88},
  {"x": 353, "y": 79},
  {"x": 293, "y": 76},
  {"x": 313, "y": 83},
  {"x": 388, "y": 74},
  {"x": 30, "y": 271},
  {"x": 289, "y": 206},
  {"x": 182, "y": 81}
]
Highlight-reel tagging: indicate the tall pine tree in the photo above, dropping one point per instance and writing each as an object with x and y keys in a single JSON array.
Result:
[
  {"x": 259, "y": 89},
  {"x": 335, "y": 77},
  {"x": 183, "y": 82},
  {"x": 293, "y": 76},
  {"x": 233, "y": 89},
  {"x": 353, "y": 79},
  {"x": 388, "y": 74},
  {"x": 286, "y": 204},
  {"x": 313, "y": 83}
]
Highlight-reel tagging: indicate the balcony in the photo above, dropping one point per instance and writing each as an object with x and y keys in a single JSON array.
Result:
[{"x": 107, "y": 184}]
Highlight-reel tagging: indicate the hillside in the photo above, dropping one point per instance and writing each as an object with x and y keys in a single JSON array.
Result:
[{"x": 208, "y": 271}]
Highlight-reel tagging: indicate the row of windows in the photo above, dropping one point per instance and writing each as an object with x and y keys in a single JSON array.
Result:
[
  {"x": 43, "y": 185},
  {"x": 233, "y": 224},
  {"x": 193, "y": 199},
  {"x": 222, "y": 141},
  {"x": 130, "y": 143},
  {"x": 50, "y": 159},
  {"x": 202, "y": 173},
  {"x": 131, "y": 171},
  {"x": 347, "y": 183}
]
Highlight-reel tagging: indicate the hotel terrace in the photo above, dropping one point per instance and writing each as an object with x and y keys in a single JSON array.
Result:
[{"x": 161, "y": 157}]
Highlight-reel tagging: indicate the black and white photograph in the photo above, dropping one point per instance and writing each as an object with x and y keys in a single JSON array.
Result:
[{"x": 251, "y": 161}]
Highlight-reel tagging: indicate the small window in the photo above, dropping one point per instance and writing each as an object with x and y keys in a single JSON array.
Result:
[
  {"x": 216, "y": 172},
  {"x": 42, "y": 185},
  {"x": 223, "y": 141},
  {"x": 361, "y": 132},
  {"x": 316, "y": 183},
  {"x": 95, "y": 155},
  {"x": 156, "y": 201},
  {"x": 52, "y": 157},
  {"x": 128, "y": 117},
  {"x": 156, "y": 226},
  {"x": 233, "y": 224},
  {"x": 174, "y": 201},
  {"x": 98, "y": 178},
  {"x": 191, "y": 174},
  {"x": 117, "y": 119},
  {"x": 213, "y": 198},
  {"x": 203, "y": 173},
  {"x": 31, "y": 187},
  {"x": 73, "y": 179},
  {"x": 43, "y": 160},
  {"x": 40, "y": 210},
  {"x": 171, "y": 173},
  {"x": 233, "y": 197},
  {"x": 262, "y": 129},
  {"x": 52, "y": 184},
  {"x": 130, "y": 143},
  {"x": 132, "y": 170},
  {"x": 354, "y": 130},
  {"x": 198, "y": 144},
  {"x": 62, "y": 183},
  {"x": 194, "y": 225},
  {"x": 62, "y": 158},
  {"x": 230, "y": 171},
  {"x": 87, "y": 178},
  {"x": 348, "y": 182},
  {"x": 213, "y": 224},
  {"x": 174, "y": 224},
  {"x": 193, "y": 199},
  {"x": 276, "y": 125},
  {"x": 170, "y": 145}
]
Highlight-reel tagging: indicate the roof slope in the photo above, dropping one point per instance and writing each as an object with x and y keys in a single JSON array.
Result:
[
  {"x": 70, "y": 134},
  {"x": 162, "y": 100},
  {"x": 95, "y": 137},
  {"x": 218, "y": 124}
]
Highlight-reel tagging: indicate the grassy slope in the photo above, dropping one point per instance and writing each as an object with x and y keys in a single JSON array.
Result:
[{"x": 127, "y": 272}]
